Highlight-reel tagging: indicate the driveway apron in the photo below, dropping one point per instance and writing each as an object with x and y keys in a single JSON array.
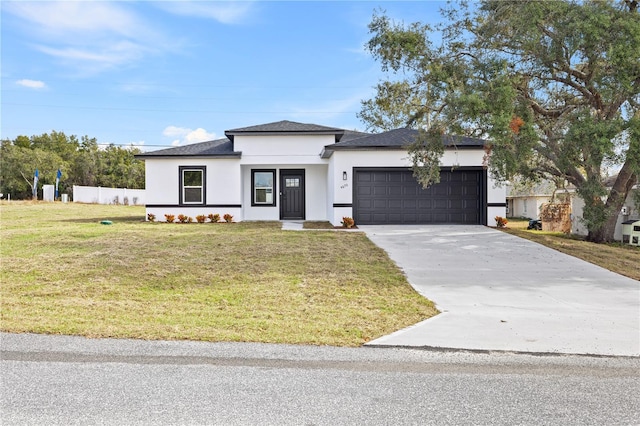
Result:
[{"x": 498, "y": 292}]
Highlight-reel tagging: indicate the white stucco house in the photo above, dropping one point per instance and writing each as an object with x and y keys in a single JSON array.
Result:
[{"x": 295, "y": 171}]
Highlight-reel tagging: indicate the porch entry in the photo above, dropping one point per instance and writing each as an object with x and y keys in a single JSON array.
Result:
[{"x": 292, "y": 192}]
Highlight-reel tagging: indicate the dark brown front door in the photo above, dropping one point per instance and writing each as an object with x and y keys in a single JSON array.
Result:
[{"x": 291, "y": 194}]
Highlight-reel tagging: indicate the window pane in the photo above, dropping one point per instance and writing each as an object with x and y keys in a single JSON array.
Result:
[
  {"x": 263, "y": 179},
  {"x": 192, "y": 195},
  {"x": 192, "y": 178},
  {"x": 264, "y": 196}
]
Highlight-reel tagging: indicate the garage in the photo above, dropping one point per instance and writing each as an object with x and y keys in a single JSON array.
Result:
[{"x": 393, "y": 196}]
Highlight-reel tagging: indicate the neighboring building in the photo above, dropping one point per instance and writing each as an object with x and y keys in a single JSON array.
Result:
[
  {"x": 295, "y": 171},
  {"x": 526, "y": 202}
]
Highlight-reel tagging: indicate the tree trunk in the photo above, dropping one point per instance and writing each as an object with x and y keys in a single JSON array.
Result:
[
  {"x": 605, "y": 233},
  {"x": 619, "y": 192}
]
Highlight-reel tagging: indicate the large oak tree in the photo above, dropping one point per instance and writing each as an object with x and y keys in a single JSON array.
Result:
[{"x": 553, "y": 85}]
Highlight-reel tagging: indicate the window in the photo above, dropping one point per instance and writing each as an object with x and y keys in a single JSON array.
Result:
[
  {"x": 192, "y": 180},
  {"x": 292, "y": 182},
  {"x": 263, "y": 187}
]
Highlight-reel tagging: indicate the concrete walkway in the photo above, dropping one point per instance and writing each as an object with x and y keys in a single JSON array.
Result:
[
  {"x": 293, "y": 225},
  {"x": 500, "y": 292}
]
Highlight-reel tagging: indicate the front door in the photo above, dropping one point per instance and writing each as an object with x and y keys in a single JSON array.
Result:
[{"x": 291, "y": 194}]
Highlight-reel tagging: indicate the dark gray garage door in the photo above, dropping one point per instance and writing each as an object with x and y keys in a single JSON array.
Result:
[{"x": 388, "y": 196}]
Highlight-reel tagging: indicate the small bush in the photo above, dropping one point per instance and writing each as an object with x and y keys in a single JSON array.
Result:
[
  {"x": 183, "y": 218},
  {"x": 189, "y": 219},
  {"x": 170, "y": 218},
  {"x": 228, "y": 218},
  {"x": 348, "y": 222},
  {"x": 151, "y": 217},
  {"x": 214, "y": 218},
  {"x": 201, "y": 218},
  {"x": 501, "y": 222}
]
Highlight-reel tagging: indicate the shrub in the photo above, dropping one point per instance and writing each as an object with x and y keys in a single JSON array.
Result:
[
  {"x": 348, "y": 222},
  {"x": 228, "y": 218},
  {"x": 183, "y": 219},
  {"x": 214, "y": 217},
  {"x": 189, "y": 219},
  {"x": 201, "y": 218},
  {"x": 151, "y": 217},
  {"x": 501, "y": 222},
  {"x": 170, "y": 218}
]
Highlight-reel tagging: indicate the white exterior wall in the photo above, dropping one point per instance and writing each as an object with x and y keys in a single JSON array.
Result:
[
  {"x": 222, "y": 186},
  {"x": 315, "y": 192},
  {"x": 285, "y": 152},
  {"x": 329, "y": 178},
  {"x": 496, "y": 194},
  {"x": 577, "y": 208},
  {"x": 528, "y": 206},
  {"x": 282, "y": 149}
]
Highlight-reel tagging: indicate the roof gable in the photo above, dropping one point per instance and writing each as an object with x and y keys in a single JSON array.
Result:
[{"x": 286, "y": 127}]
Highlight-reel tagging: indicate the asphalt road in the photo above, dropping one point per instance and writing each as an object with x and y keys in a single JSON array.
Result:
[{"x": 56, "y": 380}]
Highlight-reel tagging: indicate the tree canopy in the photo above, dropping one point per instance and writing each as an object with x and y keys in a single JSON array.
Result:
[
  {"x": 82, "y": 162},
  {"x": 553, "y": 85}
]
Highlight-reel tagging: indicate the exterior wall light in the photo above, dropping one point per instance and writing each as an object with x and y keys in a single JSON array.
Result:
[{"x": 344, "y": 175}]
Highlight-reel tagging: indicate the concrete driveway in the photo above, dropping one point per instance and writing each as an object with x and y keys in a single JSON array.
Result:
[{"x": 500, "y": 292}]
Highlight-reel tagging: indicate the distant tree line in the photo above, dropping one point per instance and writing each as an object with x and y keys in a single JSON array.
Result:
[{"x": 81, "y": 161}]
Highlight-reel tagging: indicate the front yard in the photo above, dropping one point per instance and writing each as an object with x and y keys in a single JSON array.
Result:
[{"x": 63, "y": 272}]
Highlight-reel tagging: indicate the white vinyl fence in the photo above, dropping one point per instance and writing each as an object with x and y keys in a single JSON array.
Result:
[{"x": 100, "y": 195}]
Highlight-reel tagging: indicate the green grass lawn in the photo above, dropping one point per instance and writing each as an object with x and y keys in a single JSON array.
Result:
[{"x": 63, "y": 272}]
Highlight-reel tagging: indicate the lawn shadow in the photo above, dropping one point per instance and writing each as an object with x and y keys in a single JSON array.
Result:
[{"x": 117, "y": 219}]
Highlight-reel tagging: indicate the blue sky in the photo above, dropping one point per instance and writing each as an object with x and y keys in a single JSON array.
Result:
[{"x": 157, "y": 74}]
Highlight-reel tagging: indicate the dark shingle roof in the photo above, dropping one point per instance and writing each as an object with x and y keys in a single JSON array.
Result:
[
  {"x": 283, "y": 127},
  {"x": 216, "y": 148},
  {"x": 400, "y": 138},
  {"x": 353, "y": 134}
]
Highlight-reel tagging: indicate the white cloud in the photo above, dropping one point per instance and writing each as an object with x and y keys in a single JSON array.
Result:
[
  {"x": 98, "y": 58},
  {"x": 57, "y": 18},
  {"x": 31, "y": 84},
  {"x": 228, "y": 12},
  {"x": 89, "y": 36},
  {"x": 185, "y": 136}
]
